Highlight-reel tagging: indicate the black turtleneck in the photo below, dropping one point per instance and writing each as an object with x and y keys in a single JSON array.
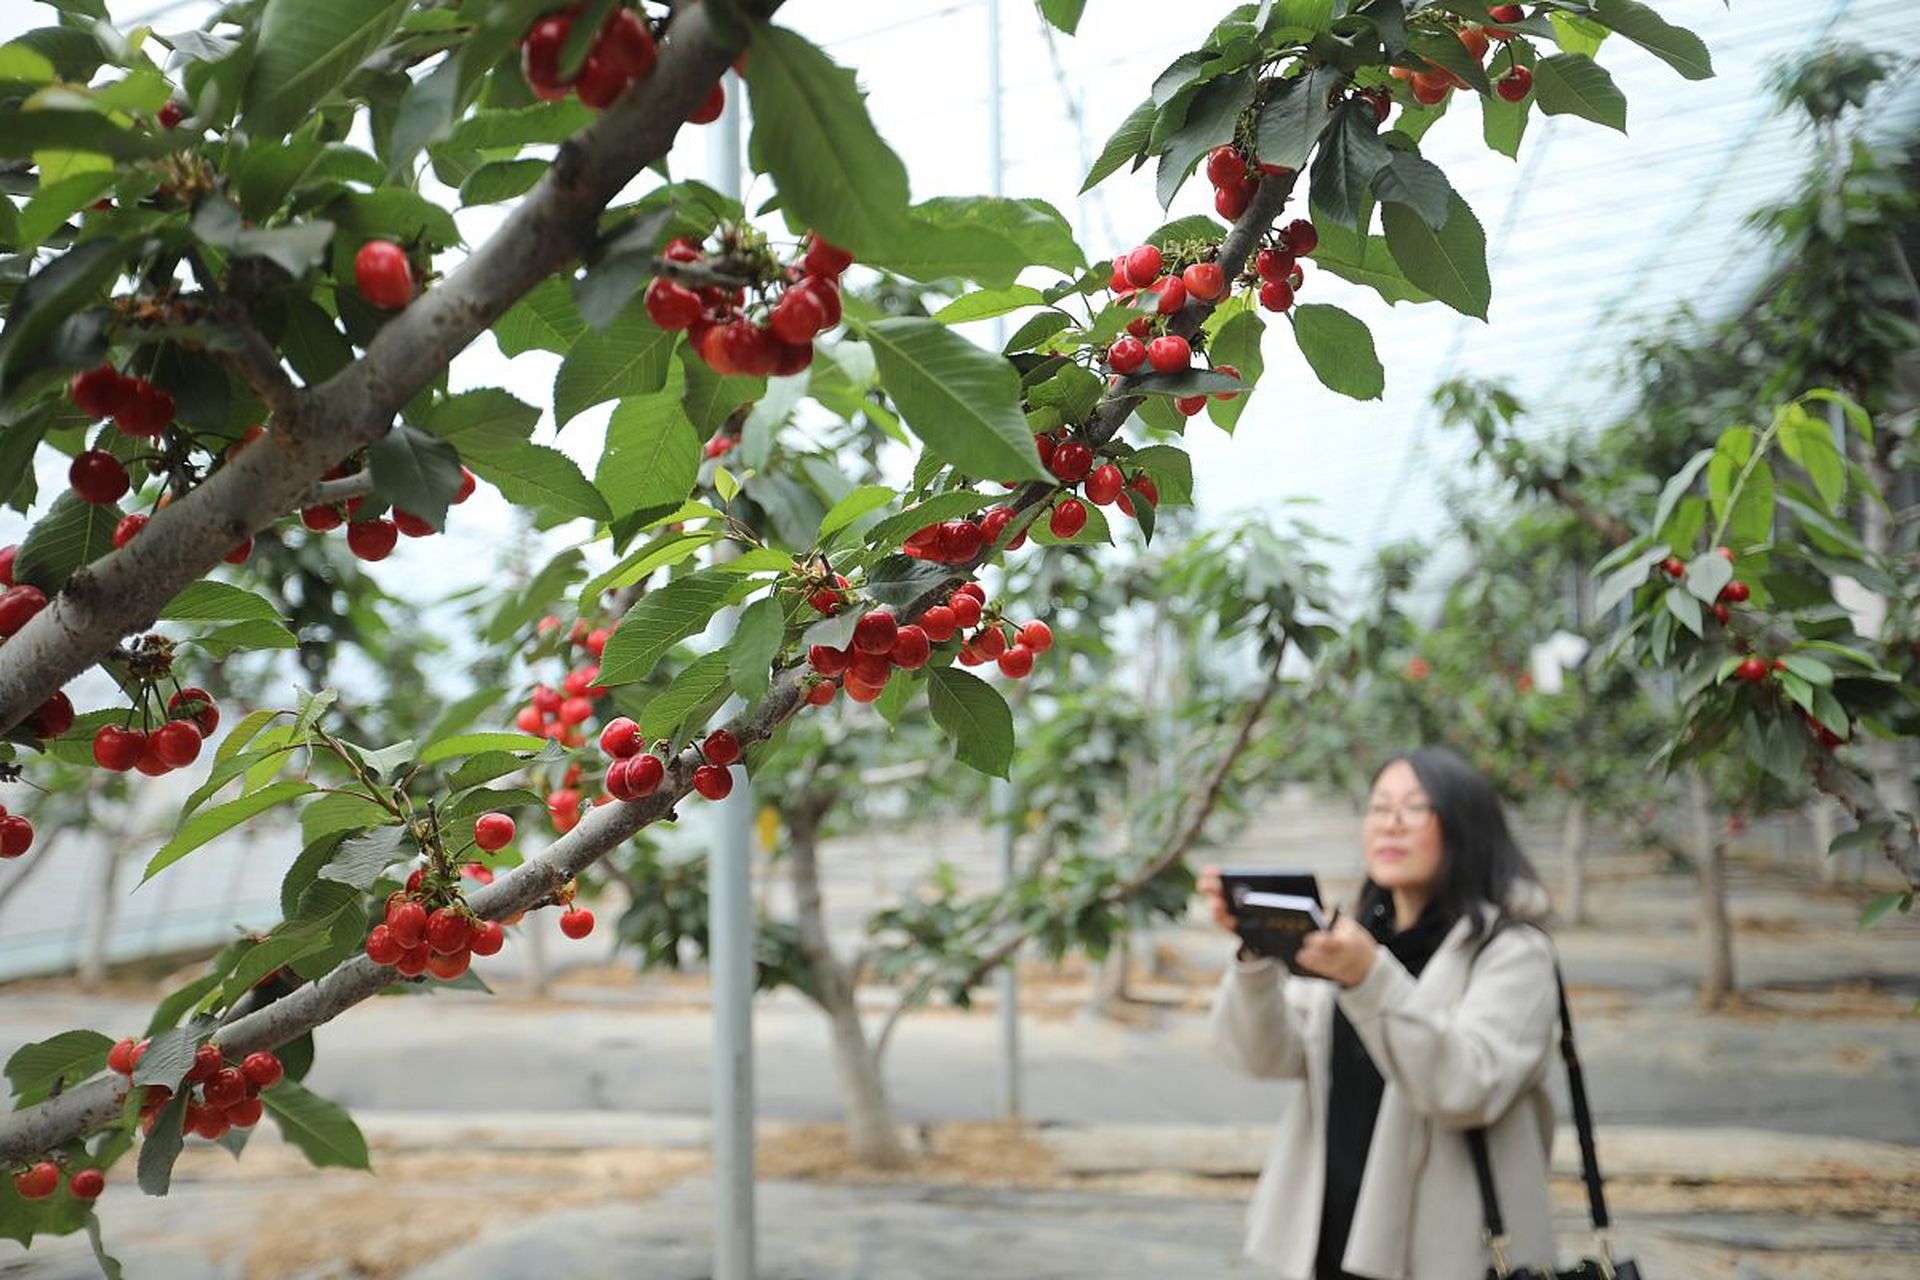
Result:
[{"x": 1353, "y": 1098}]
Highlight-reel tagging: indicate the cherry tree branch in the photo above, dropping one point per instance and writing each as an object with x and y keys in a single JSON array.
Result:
[{"x": 554, "y": 225}]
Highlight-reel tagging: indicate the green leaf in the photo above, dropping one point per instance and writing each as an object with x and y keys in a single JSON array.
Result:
[
  {"x": 755, "y": 644},
  {"x": 72, "y": 533},
  {"x": 662, "y": 619},
  {"x": 668, "y": 548},
  {"x": 1295, "y": 116},
  {"x": 256, "y": 633},
  {"x": 43, "y": 305},
  {"x": 813, "y": 136},
  {"x": 897, "y": 581},
  {"x": 1676, "y": 488},
  {"x": 1128, "y": 142},
  {"x": 1882, "y": 904},
  {"x": 537, "y": 476},
  {"x": 652, "y": 455},
  {"x": 546, "y": 319},
  {"x": 867, "y": 498},
  {"x": 500, "y": 180},
  {"x": 65, "y": 1059},
  {"x": 1417, "y": 183},
  {"x": 467, "y": 744},
  {"x": 1237, "y": 343},
  {"x": 1809, "y": 442},
  {"x": 1681, "y": 604},
  {"x": 1450, "y": 263},
  {"x": 1577, "y": 34},
  {"x": 975, "y": 716},
  {"x": 629, "y": 357},
  {"x": 963, "y": 402},
  {"x": 710, "y": 399},
  {"x": 1676, "y": 46},
  {"x": 702, "y": 681},
  {"x": 1339, "y": 348},
  {"x": 304, "y": 51},
  {"x": 897, "y": 528},
  {"x": 1573, "y": 84},
  {"x": 220, "y": 819},
  {"x": 1064, "y": 14},
  {"x": 1442, "y": 48},
  {"x": 1351, "y": 153},
  {"x": 1211, "y": 118},
  {"x": 1172, "y": 472},
  {"x": 1367, "y": 261},
  {"x": 154, "y": 1168},
  {"x": 360, "y": 860},
  {"x": 321, "y": 1129},
  {"x": 986, "y": 303},
  {"x": 416, "y": 472}
]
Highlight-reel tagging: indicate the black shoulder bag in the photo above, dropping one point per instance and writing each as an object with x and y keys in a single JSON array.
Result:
[{"x": 1602, "y": 1267}]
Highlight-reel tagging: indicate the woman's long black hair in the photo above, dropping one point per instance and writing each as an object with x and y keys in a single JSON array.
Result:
[{"x": 1480, "y": 860}]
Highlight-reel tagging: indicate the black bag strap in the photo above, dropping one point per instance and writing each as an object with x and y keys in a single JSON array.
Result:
[{"x": 1583, "y": 1124}]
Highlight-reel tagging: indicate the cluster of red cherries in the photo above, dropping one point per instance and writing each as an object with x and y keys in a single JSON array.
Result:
[
  {"x": 636, "y": 773},
  {"x": 1430, "y": 87},
  {"x": 424, "y": 931},
  {"x": 192, "y": 716},
  {"x": 374, "y": 538},
  {"x": 793, "y": 304},
  {"x": 881, "y": 644},
  {"x": 228, "y": 1096},
  {"x": 622, "y": 52}
]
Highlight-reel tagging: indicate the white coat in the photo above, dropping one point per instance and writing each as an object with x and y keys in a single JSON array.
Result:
[{"x": 1467, "y": 1044}]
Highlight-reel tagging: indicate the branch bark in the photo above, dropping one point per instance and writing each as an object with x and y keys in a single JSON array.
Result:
[{"x": 557, "y": 222}]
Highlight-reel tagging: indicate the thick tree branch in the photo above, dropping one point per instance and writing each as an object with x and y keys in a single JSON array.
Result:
[
  {"x": 257, "y": 363},
  {"x": 553, "y": 226}
]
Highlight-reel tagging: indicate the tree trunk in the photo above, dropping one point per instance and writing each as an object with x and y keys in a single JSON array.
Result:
[
  {"x": 1820, "y": 820},
  {"x": 93, "y": 962},
  {"x": 1716, "y": 933},
  {"x": 1110, "y": 979},
  {"x": 863, "y": 1091},
  {"x": 1573, "y": 847}
]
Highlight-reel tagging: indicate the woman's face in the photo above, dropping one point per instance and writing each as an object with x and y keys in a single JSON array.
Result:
[{"x": 1402, "y": 834}]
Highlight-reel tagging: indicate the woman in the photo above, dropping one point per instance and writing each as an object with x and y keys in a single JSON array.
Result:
[{"x": 1435, "y": 1016}]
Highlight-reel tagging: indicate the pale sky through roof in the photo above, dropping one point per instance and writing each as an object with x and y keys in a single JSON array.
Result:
[{"x": 1593, "y": 237}]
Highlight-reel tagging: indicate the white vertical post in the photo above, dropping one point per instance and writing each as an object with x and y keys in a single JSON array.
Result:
[{"x": 730, "y": 915}]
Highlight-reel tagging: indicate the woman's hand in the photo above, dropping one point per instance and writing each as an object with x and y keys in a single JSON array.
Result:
[
  {"x": 1343, "y": 953},
  {"x": 1209, "y": 887}
]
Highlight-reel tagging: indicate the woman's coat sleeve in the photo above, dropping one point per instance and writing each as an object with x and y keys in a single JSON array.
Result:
[
  {"x": 1255, "y": 1028},
  {"x": 1464, "y": 1066}
]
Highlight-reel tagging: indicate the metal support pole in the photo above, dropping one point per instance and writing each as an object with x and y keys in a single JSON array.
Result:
[
  {"x": 730, "y": 917},
  {"x": 1008, "y": 978}
]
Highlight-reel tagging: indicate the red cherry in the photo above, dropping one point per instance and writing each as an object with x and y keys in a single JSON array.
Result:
[
  {"x": 149, "y": 761},
  {"x": 468, "y": 482},
  {"x": 411, "y": 525},
  {"x": 1190, "y": 405},
  {"x": 1276, "y": 295},
  {"x": 1044, "y": 446},
  {"x": 488, "y": 938},
  {"x": 798, "y": 317},
  {"x": 1037, "y": 636},
  {"x": 1017, "y": 662},
  {"x": 321, "y": 519},
  {"x": 972, "y": 588},
  {"x": 38, "y": 1182},
  {"x": 911, "y": 648},
  {"x": 1230, "y": 372},
  {"x": 1169, "y": 353},
  {"x": 19, "y": 606},
  {"x": 1506, "y": 13},
  {"x": 1225, "y": 167},
  {"x": 1104, "y": 485},
  {"x": 871, "y": 668},
  {"x": 875, "y": 632},
  {"x": 1735, "y": 592},
  {"x": 621, "y": 738},
  {"x": 225, "y": 1087},
  {"x": 681, "y": 249},
  {"x": 383, "y": 275},
  {"x": 145, "y": 411},
  {"x": 177, "y": 742},
  {"x": 626, "y": 45},
  {"x": 824, "y": 259},
  {"x": 1752, "y": 670},
  {"x": 645, "y": 774},
  {"x": 990, "y": 643},
  {"x": 965, "y": 609},
  {"x": 1430, "y": 88},
  {"x": 820, "y": 693},
  {"x": 1143, "y": 485},
  {"x": 1069, "y": 518},
  {"x": 16, "y": 836},
  {"x": 99, "y": 392},
  {"x": 87, "y": 1184},
  {"x": 823, "y": 291},
  {"x": 448, "y": 931},
  {"x": 448, "y": 965},
  {"x": 1302, "y": 239},
  {"x": 53, "y": 717},
  {"x": 1271, "y": 264},
  {"x": 245, "y": 1113},
  {"x": 207, "y": 1059},
  {"x": 1142, "y": 266},
  {"x": 1722, "y": 614},
  {"x": 600, "y": 83},
  {"x": 98, "y": 477},
  {"x": 939, "y": 623},
  {"x": 1173, "y": 295},
  {"x": 372, "y": 539},
  {"x": 827, "y": 660},
  {"x": 1140, "y": 327},
  {"x": 240, "y": 553},
  {"x": 1725, "y": 553},
  {"x": 407, "y": 922},
  {"x": 413, "y": 961},
  {"x": 709, "y": 110},
  {"x": 1126, "y": 355},
  {"x": 747, "y": 348},
  {"x": 120, "y": 1057},
  {"x": 1674, "y": 566},
  {"x": 671, "y": 305},
  {"x": 540, "y": 58},
  {"x": 960, "y": 541},
  {"x": 198, "y": 706},
  {"x": 1515, "y": 85},
  {"x": 1205, "y": 281},
  {"x": 262, "y": 1069},
  {"x": 116, "y": 748},
  {"x": 721, "y": 747},
  {"x": 713, "y": 781},
  {"x": 7, "y": 555},
  {"x": 493, "y": 831},
  {"x": 128, "y": 527},
  {"x": 576, "y": 923},
  {"x": 1231, "y": 202},
  {"x": 1071, "y": 462}
]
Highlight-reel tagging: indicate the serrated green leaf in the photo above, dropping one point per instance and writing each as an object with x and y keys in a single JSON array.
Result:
[
  {"x": 202, "y": 827},
  {"x": 416, "y": 472},
  {"x": 72, "y": 533},
  {"x": 975, "y": 716},
  {"x": 1450, "y": 263},
  {"x": 1128, "y": 142},
  {"x": 66, "y": 1059},
  {"x": 210, "y": 601},
  {"x": 305, "y": 51},
  {"x": 546, "y": 319},
  {"x": 652, "y": 454},
  {"x": 1339, "y": 348},
  {"x": 701, "y": 682},
  {"x": 750, "y": 653},
  {"x": 964, "y": 403},
  {"x": 1573, "y": 84},
  {"x": 629, "y": 357},
  {"x": 662, "y": 619},
  {"x": 1676, "y": 46},
  {"x": 322, "y": 1130}
]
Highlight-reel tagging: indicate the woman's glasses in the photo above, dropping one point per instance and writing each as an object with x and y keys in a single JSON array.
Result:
[{"x": 1413, "y": 813}]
